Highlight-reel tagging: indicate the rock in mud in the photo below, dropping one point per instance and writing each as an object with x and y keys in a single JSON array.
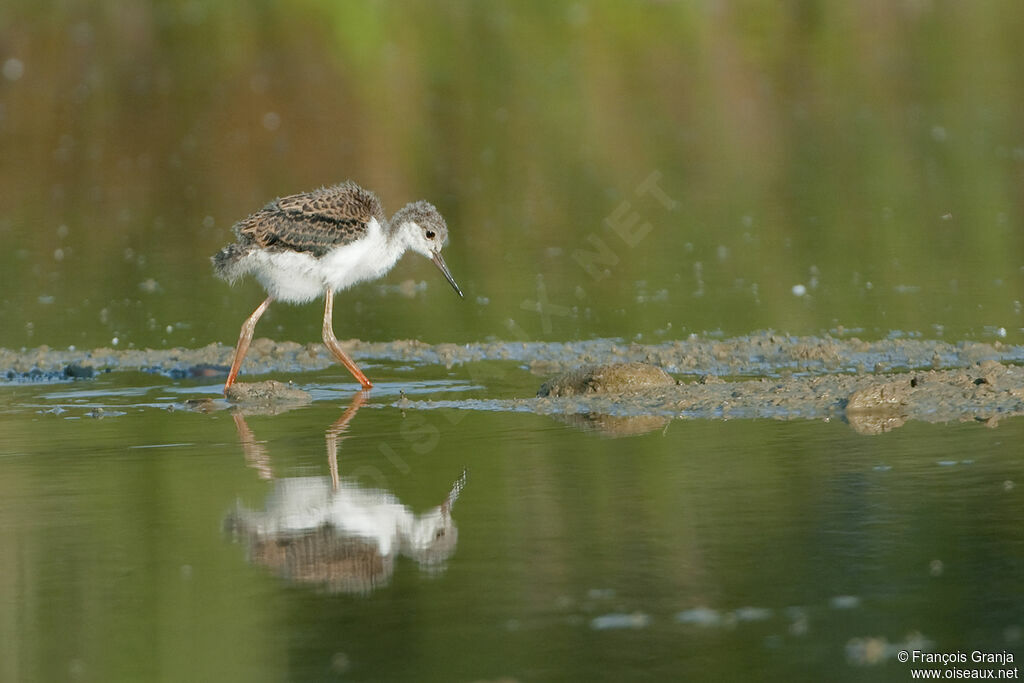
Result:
[
  {"x": 77, "y": 371},
  {"x": 270, "y": 392},
  {"x": 608, "y": 378},
  {"x": 881, "y": 397}
]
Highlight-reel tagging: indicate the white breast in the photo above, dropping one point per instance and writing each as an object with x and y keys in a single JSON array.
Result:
[
  {"x": 367, "y": 259},
  {"x": 297, "y": 277}
]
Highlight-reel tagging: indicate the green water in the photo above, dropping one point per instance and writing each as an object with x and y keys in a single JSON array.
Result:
[
  {"x": 633, "y": 171},
  {"x": 577, "y": 557}
]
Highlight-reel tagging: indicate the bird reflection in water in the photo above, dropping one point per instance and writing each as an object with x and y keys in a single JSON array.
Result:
[{"x": 332, "y": 533}]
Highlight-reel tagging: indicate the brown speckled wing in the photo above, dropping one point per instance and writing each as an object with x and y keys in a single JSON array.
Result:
[{"x": 312, "y": 222}]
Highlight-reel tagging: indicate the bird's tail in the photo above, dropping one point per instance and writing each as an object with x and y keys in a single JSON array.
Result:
[{"x": 227, "y": 263}]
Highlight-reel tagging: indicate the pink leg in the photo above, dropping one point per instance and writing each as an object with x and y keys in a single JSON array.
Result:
[
  {"x": 244, "y": 338},
  {"x": 335, "y": 431},
  {"x": 334, "y": 346},
  {"x": 255, "y": 452}
]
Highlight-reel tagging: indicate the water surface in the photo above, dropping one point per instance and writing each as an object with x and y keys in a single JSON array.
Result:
[{"x": 707, "y": 549}]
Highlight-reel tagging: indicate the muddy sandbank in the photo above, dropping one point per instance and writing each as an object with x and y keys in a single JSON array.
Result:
[
  {"x": 875, "y": 386},
  {"x": 986, "y": 392},
  {"x": 764, "y": 354}
]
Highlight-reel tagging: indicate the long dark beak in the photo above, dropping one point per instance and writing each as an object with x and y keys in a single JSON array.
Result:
[{"x": 439, "y": 262}]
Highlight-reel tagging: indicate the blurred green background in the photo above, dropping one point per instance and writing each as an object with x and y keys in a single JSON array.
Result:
[{"x": 869, "y": 155}]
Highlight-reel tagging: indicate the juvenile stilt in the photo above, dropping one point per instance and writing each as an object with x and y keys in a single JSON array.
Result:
[
  {"x": 244, "y": 339},
  {"x": 321, "y": 242}
]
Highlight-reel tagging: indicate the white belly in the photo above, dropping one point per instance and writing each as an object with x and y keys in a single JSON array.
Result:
[{"x": 297, "y": 277}]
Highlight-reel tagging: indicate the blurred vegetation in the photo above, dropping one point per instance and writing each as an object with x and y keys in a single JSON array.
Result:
[{"x": 872, "y": 152}]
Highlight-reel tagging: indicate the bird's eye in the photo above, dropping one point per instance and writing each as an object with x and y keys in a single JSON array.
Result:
[{"x": 430, "y": 234}]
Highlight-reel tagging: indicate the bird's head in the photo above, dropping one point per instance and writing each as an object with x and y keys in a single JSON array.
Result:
[{"x": 423, "y": 229}]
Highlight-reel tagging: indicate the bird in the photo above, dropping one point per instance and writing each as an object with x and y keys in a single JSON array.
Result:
[
  {"x": 313, "y": 244},
  {"x": 334, "y": 532}
]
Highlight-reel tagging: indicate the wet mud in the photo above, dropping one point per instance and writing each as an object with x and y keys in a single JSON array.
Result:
[
  {"x": 987, "y": 393},
  {"x": 267, "y": 393},
  {"x": 763, "y": 354},
  {"x": 621, "y": 389}
]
